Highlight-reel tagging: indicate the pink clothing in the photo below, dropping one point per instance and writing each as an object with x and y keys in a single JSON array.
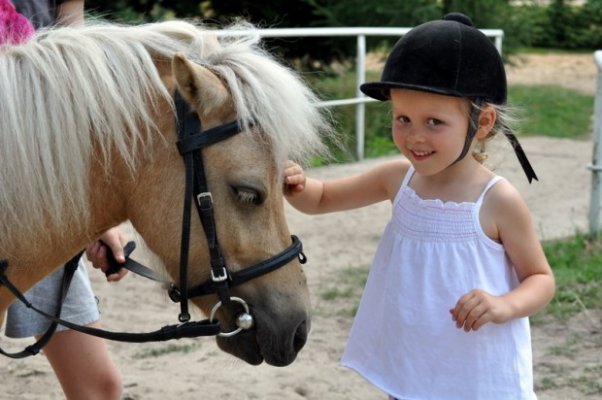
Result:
[
  {"x": 14, "y": 27},
  {"x": 403, "y": 339}
]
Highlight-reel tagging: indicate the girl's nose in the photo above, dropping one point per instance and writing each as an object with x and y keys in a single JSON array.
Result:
[{"x": 415, "y": 135}]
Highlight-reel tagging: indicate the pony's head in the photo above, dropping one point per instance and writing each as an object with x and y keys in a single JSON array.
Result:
[
  {"x": 244, "y": 175},
  {"x": 121, "y": 83}
]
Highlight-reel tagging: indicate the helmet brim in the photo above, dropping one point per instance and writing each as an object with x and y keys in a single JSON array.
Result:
[{"x": 380, "y": 90}]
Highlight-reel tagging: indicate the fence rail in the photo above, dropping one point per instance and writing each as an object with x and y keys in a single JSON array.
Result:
[{"x": 360, "y": 33}]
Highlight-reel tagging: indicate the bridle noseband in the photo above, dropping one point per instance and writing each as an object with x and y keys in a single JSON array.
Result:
[{"x": 191, "y": 140}]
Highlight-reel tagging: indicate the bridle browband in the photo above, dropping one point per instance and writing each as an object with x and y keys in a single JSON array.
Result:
[{"x": 191, "y": 140}]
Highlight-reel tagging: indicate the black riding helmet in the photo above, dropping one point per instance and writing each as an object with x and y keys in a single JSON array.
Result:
[{"x": 449, "y": 57}]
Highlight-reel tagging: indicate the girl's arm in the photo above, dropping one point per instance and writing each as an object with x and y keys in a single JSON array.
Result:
[
  {"x": 512, "y": 225},
  {"x": 312, "y": 196}
]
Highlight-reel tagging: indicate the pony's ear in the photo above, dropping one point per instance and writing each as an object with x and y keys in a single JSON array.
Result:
[{"x": 199, "y": 86}]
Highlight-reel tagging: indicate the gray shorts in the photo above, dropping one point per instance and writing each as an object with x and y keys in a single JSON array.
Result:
[{"x": 80, "y": 306}]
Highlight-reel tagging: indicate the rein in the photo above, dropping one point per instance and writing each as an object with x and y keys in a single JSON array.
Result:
[{"x": 191, "y": 140}]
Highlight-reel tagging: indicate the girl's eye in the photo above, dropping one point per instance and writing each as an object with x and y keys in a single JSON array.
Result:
[
  {"x": 434, "y": 122},
  {"x": 403, "y": 119}
]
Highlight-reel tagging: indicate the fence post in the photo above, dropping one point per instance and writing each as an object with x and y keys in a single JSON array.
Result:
[
  {"x": 595, "y": 167},
  {"x": 360, "y": 108}
]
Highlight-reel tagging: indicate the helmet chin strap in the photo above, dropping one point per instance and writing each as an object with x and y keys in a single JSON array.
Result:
[{"x": 473, "y": 127}]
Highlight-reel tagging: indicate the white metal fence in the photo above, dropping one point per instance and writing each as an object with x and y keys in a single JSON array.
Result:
[{"x": 360, "y": 33}]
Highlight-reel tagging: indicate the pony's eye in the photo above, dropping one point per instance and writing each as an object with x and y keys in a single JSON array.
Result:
[{"x": 247, "y": 196}]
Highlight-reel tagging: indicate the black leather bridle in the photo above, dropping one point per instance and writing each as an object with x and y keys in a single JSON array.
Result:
[{"x": 191, "y": 140}]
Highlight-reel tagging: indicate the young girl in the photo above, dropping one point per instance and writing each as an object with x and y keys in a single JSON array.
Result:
[{"x": 459, "y": 267}]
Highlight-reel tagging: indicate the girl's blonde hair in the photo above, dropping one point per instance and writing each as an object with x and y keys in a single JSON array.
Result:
[{"x": 504, "y": 123}]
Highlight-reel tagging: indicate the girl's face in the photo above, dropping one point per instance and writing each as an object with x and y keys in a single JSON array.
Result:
[{"x": 429, "y": 129}]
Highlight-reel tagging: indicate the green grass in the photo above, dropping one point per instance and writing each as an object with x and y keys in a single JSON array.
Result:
[
  {"x": 540, "y": 50},
  {"x": 577, "y": 265},
  {"x": 552, "y": 111},
  {"x": 346, "y": 289},
  {"x": 542, "y": 110}
]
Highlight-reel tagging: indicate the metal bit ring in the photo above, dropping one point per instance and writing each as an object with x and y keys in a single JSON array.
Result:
[{"x": 245, "y": 316}]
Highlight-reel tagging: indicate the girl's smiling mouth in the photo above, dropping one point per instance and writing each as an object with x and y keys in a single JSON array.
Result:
[{"x": 421, "y": 155}]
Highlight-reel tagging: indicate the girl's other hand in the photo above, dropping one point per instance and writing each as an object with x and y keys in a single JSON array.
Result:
[{"x": 476, "y": 308}]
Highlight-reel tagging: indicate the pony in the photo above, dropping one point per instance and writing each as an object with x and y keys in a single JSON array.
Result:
[{"x": 88, "y": 141}]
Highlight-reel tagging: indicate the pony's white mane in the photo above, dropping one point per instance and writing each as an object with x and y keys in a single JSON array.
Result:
[{"x": 71, "y": 88}]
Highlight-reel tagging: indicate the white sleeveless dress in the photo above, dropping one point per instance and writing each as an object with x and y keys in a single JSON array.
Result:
[{"x": 403, "y": 339}]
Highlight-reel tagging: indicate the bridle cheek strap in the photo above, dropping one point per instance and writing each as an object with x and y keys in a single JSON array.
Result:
[{"x": 191, "y": 140}]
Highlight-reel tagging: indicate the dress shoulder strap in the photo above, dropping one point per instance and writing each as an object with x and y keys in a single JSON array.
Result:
[
  {"x": 489, "y": 185},
  {"x": 404, "y": 183},
  {"x": 409, "y": 174}
]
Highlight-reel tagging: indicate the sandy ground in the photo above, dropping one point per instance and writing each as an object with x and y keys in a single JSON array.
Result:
[{"x": 568, "y": 356}]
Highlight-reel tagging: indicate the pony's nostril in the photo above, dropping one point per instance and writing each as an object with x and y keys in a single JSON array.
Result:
[{"x": 300, "y": 336}]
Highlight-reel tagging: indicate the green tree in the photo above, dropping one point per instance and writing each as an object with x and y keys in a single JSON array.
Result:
[
  {"x": 392, "y": 13},
  {"x": 484, "y": 13},
  {"x": 326, "y": 13},
  {"x": 145, "y": 10}
]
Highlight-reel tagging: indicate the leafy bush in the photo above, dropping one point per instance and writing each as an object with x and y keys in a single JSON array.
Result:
[
  {"x": 558, "y": 25},
  {"x": 561, "y": 26}
]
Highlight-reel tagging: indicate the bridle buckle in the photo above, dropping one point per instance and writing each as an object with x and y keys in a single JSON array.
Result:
[
  {"x": 203, "y": 198},
  {"x": 223, "y": 275}
]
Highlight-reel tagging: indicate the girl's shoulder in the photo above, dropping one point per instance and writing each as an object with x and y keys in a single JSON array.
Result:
[
  {"x": 503, "y": 206},
  {"x": 503, "y": 196},
  {"x": 392, "y": 174}
]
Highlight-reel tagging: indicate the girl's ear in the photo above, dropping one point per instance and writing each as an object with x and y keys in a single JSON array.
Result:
[{"x": 487, "y": 119}]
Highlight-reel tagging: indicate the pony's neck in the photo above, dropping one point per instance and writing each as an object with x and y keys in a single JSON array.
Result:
[{"x": 31, "y": 260}]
